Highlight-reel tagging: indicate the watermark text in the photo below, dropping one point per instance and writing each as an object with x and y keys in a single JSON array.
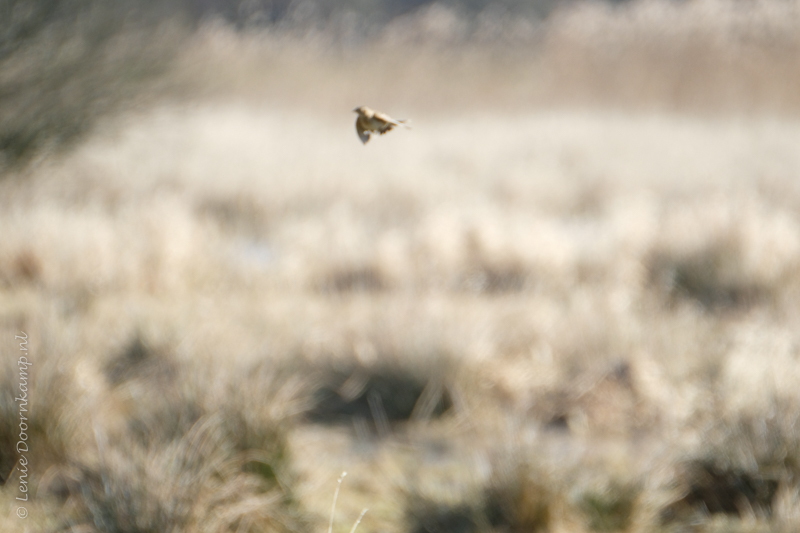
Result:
[{"x": 21, "y": 398}]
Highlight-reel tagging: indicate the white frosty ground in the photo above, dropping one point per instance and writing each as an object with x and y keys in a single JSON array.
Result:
[{"x": 544, "y": 188}]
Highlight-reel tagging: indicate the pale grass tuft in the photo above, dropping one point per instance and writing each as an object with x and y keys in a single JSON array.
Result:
[
  {"x": 333, "y": 507},
  {"x": 335, "y": 497}
]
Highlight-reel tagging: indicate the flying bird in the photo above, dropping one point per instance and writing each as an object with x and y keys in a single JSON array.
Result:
[{"x": 370, "y": 120}]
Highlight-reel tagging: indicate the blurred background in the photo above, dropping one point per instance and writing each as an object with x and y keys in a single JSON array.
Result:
[{"x": 565, "y": 300}]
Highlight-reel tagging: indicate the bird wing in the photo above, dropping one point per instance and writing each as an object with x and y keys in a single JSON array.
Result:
[
  {"x": 363, "y": 134},
  {"x": 384, "y": 118},
  {"x": 388, "y": 122},
  {"x": 385, "y": 128}
]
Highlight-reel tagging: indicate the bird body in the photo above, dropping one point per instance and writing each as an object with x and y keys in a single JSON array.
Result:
[{"x": 370, "y": 120}]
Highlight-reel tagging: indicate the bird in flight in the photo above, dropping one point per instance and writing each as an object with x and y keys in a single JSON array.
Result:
[{"x": 370, "y": 120}]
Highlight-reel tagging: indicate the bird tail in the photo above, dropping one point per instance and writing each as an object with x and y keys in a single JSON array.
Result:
[{"x": 404, "y": 122}]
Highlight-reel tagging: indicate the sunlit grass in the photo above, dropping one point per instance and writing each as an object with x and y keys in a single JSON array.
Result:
[{"x": 537, "y": 319}]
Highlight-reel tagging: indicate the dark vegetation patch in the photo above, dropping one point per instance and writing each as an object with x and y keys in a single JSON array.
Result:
[
  {"x": 379, "y": 395},
  {"x": 714, "y": 277},
  {"x": 495, "y": 279},
  {"x": 517, "y": 498},
  {"x": 426, "y": 516},
  {"x": 745, "y": 460},
  {"x": 610, "y": 509},
  {"x": 27, "y": 266},
  {"x": 363, "y": 278},
  {"x": 140, "y": 359},
  {"x": 236, "y": 214},
  {"x": 20, "y": 268},
  {"x": 519, "y": 503},
  {"x": 368, "y": 15},
  {"x": 713, "y": 489}
]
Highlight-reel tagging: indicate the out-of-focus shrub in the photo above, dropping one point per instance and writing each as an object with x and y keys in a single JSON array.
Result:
[{"x": 65, "y": 64}]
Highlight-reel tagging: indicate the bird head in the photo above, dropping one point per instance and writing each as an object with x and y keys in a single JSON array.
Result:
[{"x": 361, "y": 110}]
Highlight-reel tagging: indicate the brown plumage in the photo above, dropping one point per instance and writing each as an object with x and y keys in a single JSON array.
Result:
[{"x": 370, "y": 120}]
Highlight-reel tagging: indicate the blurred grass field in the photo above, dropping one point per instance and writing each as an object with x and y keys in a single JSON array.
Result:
[{"x": 565, "y": 300}]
